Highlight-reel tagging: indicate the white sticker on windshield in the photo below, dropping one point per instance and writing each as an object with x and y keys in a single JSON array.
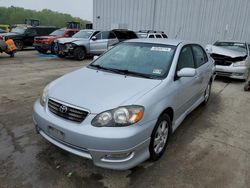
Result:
[
  {"x": 160, "y": 49},
  {"x": 157, "y": 71}
]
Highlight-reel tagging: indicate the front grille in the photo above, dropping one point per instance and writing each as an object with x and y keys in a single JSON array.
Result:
[
  {"x": 221, "y": 60},
  {"x": 67, "y": 112},
  {"x": 61, "y": 47}
]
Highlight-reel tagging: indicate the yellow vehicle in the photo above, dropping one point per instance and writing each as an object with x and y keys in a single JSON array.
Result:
[{"x": 5, "y": 27}]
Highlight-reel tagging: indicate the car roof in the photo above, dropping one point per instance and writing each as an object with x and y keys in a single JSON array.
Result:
[
  {"x": 239, "y": 41},
  {"x": 173, "y": 42}
]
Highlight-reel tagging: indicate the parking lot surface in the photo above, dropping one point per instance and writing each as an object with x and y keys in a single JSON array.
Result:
[{"x": 210, "y": 149}]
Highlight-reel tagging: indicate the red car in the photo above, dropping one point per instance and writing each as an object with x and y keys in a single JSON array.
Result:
[{"x": 43, "y": 44}]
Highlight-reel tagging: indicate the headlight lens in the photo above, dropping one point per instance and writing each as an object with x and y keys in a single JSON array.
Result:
[
  {"x": 240, "y": 63},
  {"x": 44, "y": 95},
  {"x": 119, "y": 117},
  {"x": 68, "y": 46}
]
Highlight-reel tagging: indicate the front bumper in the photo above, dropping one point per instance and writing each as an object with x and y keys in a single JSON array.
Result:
[
  {"x": 232, "y": 72},
  {"x": 118, "y": 148},
  {"x": 42, "y": 46}
]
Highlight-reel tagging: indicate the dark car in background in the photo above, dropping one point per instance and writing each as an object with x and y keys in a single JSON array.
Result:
[
  {"x": 23, "y": 35},
  {"x": 43, "y": 44}
]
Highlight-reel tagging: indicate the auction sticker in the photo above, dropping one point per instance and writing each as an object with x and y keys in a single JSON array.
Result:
[
  {"x": 160, "y": 49},
  {"x": 157, "y": 71}
]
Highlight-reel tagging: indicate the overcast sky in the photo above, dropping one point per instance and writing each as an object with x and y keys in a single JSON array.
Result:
[{"x": 77, "y": 8}]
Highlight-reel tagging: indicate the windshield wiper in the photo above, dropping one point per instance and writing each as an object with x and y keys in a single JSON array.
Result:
[
  {"x": 124, "y": 72},
  {"x": 128, "y": 72}
]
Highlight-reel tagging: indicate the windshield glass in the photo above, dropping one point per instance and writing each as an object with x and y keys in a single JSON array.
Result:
[
  {"x": 147, "y": 59},
  {"x": 58, "y": 32},
  {"x": 19, "y": 30},
  {"x": 240, "y": 47},
  {"x": 83, "y": 34}
]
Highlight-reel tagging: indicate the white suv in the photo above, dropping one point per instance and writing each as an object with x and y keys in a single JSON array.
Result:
[{"x": 151, "y": 34}]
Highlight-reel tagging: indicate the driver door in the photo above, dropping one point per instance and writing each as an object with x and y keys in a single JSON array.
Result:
[
  {"x": 99, "y": 43},
  {"x": 186, "y": 87},
  {"x": 29, "y": 36}
]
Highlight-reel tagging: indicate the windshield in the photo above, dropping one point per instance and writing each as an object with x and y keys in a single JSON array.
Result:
[
  {"x": 19, "y": 30},
  {"x": 146, "y": 59},
  {"x": 236, "y": 46},
  {"x": 58, "y": 32},
  {"x": 83, "y": 34}
]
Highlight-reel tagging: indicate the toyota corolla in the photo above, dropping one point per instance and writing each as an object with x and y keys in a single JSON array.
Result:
[{"x": 121, "y": 109}]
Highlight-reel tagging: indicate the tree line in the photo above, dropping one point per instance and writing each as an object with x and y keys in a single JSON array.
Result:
[{"x": 16, "y": 15}]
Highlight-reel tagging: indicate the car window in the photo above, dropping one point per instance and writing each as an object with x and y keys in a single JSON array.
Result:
[
  {"x": 105, "y": 34},
  {"x": 151, "y": 36},
  {"x": 164, "y": 35},
  {"x": 31, "y": 32},
  {"x": 199, "y": 55},
  {"x": 98, "y": 36},
  {"x": 158, "y": 36},
  {"x": 186, "y": 59},
  {"x": 112, "y": 35}
]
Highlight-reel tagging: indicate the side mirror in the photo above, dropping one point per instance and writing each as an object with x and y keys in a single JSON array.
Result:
[
  {"x": 94, "y": 38},
  {"x": 95, "y": 57},
  {"x": 186, "y": 72}
]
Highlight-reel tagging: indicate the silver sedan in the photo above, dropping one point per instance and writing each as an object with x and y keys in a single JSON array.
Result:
[{"x": 121, "y": 109}]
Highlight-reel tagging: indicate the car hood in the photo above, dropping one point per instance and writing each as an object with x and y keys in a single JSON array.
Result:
[
  {"x": 46, "y": 37},
  {"x": 71, "y": 40},
  {"x": 98, "y": 91},
  {"x": 211, "y": 49}
]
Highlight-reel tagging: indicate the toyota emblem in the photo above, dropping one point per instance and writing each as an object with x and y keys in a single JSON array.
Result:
[{"x": 63, "y": 109}]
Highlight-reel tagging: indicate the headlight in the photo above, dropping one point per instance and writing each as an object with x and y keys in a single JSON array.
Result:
[
  {"x": 119, "y": 117},
  {"x": 240, "y": 63},
  {"x": 68, "y": 46},
  {"x": 44, "y": 95}
]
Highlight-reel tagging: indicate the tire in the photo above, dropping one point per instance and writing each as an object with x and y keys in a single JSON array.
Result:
[
  {"x": 42, "y": 51},
  {"x": 61, "y": 55},
  {"x": 79, "y": 53},
  {"x": 207, "y": 93},
  {"x": 19, "y": 44},
  {"x": 160, "y": 137}
]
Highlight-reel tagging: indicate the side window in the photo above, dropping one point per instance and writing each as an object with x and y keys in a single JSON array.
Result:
[
  {"x": 105, "y": 34},
  {"x": 199, "y": 55},
  {"x": 70, "y": 33},
  {"x": 112, "y": 35},
  {"x": 151, "y": 36},
  {"x": 186, "y": 59},
  {"x": 164, "y": 36},
  {"x": 158, "y": 36},
  {"x": 31, "y": 32},
  {"x": 98, "y": 36}
]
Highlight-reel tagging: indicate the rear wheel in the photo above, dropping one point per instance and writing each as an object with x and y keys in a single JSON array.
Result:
[
  {"x": 207, "y": 93},
  {"x": 159, "y": 137},
  {"x": 79, "y": 53},
  {"x": 19, "y": 44}
]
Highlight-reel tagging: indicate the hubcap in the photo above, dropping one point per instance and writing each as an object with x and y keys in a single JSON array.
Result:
[
  {"x": 207, "y": 92},
  {"x": 161, "y": 137}
]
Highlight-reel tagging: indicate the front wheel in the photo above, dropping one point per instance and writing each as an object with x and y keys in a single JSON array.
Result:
[
  {"x": 159, "y": 137},
  {"x": 79, "y": 53},
  {"x": 19, "y": 44}
]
